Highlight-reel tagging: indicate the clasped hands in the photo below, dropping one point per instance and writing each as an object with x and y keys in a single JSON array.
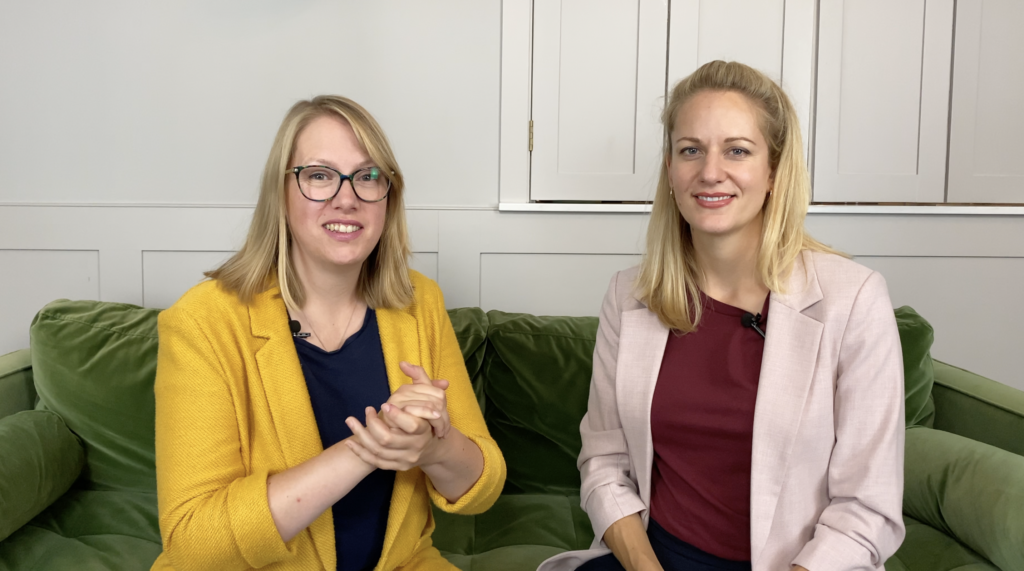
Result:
[{"x": 408, "y": 430}]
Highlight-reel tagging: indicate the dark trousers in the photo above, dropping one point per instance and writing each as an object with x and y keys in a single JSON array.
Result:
[{"x": 673, "y": 554}]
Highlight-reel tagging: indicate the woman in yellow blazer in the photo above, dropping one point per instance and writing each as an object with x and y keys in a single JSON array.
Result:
[{"x": 251, "y": 470}]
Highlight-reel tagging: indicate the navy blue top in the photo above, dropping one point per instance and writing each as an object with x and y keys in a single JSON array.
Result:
[{"x": 342, "y": 384}]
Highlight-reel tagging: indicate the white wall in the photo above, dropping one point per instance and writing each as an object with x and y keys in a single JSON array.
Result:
[{"x": 132, "y": 138}]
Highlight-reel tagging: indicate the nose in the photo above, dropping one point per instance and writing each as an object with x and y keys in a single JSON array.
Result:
[
  {"x": 346, "y": 198},
  {"x": 712, "y": 171}
]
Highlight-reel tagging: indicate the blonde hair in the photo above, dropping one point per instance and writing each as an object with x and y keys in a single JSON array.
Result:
[
  {"x": 384, "y": 277},
  {"x": 670, "y": 278}
]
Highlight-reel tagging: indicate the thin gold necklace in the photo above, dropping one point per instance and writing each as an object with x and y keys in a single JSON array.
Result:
[{"x": 343, "y": 333}]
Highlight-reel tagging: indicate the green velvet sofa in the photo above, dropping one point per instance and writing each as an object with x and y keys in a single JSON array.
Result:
[{"x": 77, "y": 478}]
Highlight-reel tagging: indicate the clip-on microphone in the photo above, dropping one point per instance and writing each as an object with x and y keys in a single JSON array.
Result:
[
  {"x": 751, "y": 320},
  {"x": 295, "y": 326}
]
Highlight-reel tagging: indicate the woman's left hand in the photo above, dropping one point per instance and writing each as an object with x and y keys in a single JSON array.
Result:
[
  {"x": 408, "y": 444},
  {"x": 424, "y": 398}
]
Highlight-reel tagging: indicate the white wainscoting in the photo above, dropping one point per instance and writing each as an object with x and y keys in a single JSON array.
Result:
[
  {"x": 548, "y": 284},
  {"x": 962, "y": 273},
  {"x": 29, "y": 279},
  {"x": 971, "y": 302}
]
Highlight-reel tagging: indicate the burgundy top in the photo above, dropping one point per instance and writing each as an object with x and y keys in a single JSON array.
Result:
[{"x": 702, "y": 423}]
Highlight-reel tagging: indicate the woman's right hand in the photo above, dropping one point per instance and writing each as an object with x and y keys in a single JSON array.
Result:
[{"x": 424, "y": 398}]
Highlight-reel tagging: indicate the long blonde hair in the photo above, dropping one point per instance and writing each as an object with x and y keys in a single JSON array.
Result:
[
  {"x": 384, "y": 277},
  {"x": 670, "y": 279}
]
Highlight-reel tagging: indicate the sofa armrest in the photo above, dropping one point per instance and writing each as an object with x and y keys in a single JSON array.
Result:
[
  {"x": 969, "y": 490},
  {"x": 17, "y": 392},
  {"x": 978, "y": 408},
  {"x": 39, "y": 460}
]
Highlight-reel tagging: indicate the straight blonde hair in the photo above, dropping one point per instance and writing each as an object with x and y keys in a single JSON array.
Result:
[
  {"x": 670, "y": 279},
  {"x": 265, "y": 257}
]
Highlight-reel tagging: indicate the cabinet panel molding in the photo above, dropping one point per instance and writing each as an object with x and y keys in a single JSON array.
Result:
[
  {"x": 987, "y": 117},
  {"x": 598, "y": 84},
  {"x": 748, "y": 31},
  {"x": 882, "y": 101}
]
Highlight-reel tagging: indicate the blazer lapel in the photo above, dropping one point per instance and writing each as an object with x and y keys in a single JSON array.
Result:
[
  {"x": 790, "y": 357},
  {"x": 399, "y": 338},
  {"x": 642, "y": 340},
  {"x": 288, "y": 399}
]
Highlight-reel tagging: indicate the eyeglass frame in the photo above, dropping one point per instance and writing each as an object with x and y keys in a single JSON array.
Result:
[{"x": 349, "y": 177}]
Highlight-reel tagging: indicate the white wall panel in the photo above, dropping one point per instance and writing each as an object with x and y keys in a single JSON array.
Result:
[
  {"x": 166, "y": 276},
  {"x": 965, "y": 300},
  {"x": 598, "y": 80},
  {"x": 179, "y": 102},
  {"x": 548, "y": 284},
  {"x": 987, "y": 117},
  {"x": 32, "y": 278},
  {"x": 883, "y": 85},
  {"x": 466, "y": 236},
  {"x": 425, "y": 263}
]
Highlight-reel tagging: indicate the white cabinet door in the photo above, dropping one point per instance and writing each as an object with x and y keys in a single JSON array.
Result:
[
  {"x": 747, "y": 31},
  {"x": 882, "y": 100},
  {"x": 598, "y": 85},
  {"x": 987, "y": 117}
]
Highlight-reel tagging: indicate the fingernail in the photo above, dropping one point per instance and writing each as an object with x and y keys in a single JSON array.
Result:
[
  {"x": 436, "y": 414},
  {"x": 385, "y": 407}
]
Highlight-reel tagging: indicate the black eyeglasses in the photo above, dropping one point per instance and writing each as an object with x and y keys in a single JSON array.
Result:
[{"x": 320, "y": 184}]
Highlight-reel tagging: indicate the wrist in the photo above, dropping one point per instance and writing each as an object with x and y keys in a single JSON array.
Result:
[
  {"x": 346, "y": 459},
  {"x": 435, "y": 451}
]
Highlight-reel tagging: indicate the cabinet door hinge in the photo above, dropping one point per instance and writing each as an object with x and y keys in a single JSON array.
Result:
[{"x": 531, "y": 135}]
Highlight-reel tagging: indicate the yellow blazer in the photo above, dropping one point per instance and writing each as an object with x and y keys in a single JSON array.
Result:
[{"x": 232, "y": 408}]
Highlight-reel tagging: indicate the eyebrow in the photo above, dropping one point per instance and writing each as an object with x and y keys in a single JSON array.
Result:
[
  {"x": 729, "y": 140},
  {"x": 332, "y": 164}
]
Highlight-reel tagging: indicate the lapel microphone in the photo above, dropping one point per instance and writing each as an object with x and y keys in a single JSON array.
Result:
[
  {"x": 295, "y": 326},
  {"x": 751, "y": 320}
]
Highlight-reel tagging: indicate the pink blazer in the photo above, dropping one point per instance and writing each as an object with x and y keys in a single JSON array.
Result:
[{"x": 826, "y": 486}]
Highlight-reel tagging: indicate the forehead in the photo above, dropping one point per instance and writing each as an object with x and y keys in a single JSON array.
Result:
[
  {"x": 328, "y": 137},
  {"x": 717, "y": 114}
]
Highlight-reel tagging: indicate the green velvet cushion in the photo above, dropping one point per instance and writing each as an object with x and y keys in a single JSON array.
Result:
[
  {"x": 39, "y": 460},
  {"x": 928, "y": 549},
  {"x": 916, "y": 338},
  {"x": 17, "y": 393},
  {"x": 94, "y": 364},
  {"x": 88, "y": 530},
  {"x": 470, "y": 324},
  {"x": 517, "y": 533},
  {"x": 538, "y": 380},
  {"x": 969, "y": 490}
]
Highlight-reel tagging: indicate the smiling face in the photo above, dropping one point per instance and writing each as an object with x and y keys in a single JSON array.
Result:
[
  {"x": 342, "y": 232},
  {"x": 719, "y": 167}
]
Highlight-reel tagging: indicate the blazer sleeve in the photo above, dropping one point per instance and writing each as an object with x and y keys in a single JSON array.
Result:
[
  {"x": 464, "y": 412},
  {"x": 608, "y": 491},
  {"x": 212, "y": 514},
  {"x": 863, "y": 524}
]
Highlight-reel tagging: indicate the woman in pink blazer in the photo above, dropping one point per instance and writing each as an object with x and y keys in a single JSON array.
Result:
[{"x": 746, "y": 407}]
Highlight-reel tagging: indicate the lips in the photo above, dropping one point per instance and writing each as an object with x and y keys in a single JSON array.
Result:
[
  {"x": 714, "y": 200},
  {"x": 342, "y": 228}
]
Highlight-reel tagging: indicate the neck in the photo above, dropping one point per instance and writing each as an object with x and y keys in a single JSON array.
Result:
[
  {"x": 729, "y": 264},
  {"x": 326, "y": 288}
]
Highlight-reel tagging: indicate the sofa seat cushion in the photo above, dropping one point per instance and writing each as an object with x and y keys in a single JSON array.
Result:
[
  {"x": 88, "y": 530},
  {"x": 928, "y": 549},
  {"x": 519, "y": 532}
]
